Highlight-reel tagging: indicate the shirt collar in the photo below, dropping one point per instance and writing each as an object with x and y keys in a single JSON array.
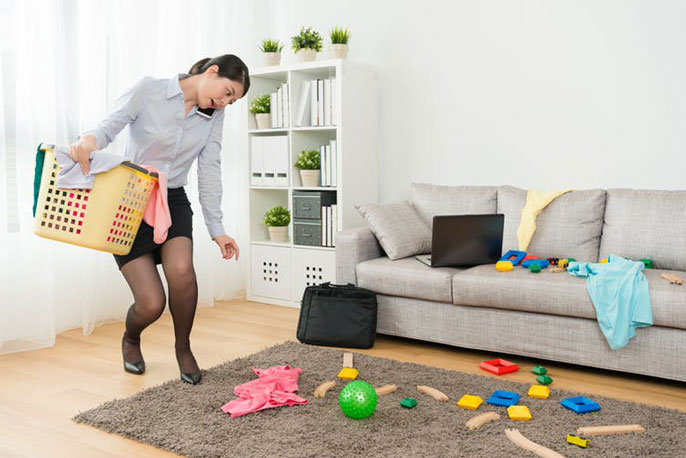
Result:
[{"x": 173, "y": 88}]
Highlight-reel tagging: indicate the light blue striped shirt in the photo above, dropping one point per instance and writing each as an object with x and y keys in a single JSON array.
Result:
[{"x": 162, "y": 136}]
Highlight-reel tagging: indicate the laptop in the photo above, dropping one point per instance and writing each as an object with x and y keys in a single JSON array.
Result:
[{"x": 465, "y": 241}]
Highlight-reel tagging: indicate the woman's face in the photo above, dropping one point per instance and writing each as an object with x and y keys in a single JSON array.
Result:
[{"x": 216, "y": 91}]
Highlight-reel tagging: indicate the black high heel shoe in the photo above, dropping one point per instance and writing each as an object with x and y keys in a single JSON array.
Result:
[
  {"x": 137, "y": 368},
  {"x": 134, "y": 368},
  {"x": 193, "y": 378}
]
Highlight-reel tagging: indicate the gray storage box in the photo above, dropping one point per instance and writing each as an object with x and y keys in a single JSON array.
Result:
[
  {"x": 307, "y": 233},
  {"x": 308, "y": 204}
]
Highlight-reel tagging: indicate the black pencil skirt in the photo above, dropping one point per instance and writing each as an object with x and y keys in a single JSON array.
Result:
[{"x": 182, "y": 226}]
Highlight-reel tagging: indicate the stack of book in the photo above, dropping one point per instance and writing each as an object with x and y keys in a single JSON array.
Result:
[
  {"x": 328, "y": 160},
  {"x": 279, "y": 107},
  {"x": 318, "y": 103},
  {"x": 329, "y": 226}
]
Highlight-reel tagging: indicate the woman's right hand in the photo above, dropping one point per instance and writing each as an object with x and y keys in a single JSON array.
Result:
[{"x": 80, "y": 151}]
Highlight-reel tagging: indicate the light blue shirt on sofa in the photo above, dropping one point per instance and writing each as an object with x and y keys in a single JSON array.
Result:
[
  {"x": 162, "y": 136},
  {"x": 620, "y": 295}
]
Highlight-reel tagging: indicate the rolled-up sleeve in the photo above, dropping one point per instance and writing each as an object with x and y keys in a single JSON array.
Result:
[
  {"x": 125, "y": 111},
  {"x": 210, "y": 178}
]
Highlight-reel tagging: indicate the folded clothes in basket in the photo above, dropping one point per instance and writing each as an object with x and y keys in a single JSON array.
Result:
[
  {"x": 71, "y": 176},
  {"x": 156, "y": 212}
]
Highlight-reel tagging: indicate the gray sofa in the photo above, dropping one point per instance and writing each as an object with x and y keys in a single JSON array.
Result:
[{"x": 547, "y": 315}]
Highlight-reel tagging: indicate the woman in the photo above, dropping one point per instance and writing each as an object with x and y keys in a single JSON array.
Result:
[{"x": 172, "y": 122}]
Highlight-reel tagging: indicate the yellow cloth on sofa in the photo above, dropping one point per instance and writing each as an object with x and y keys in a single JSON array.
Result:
[{"x": 536, "y": 201}]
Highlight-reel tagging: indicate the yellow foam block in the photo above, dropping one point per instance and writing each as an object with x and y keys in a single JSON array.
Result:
[
  {"x": 348, "y": 373},
  {"x": 520, "y": 413},
  {"x": 470, "y": 402},
  {"x": 503, "y": 266},
  {"x": 539, "y": 391},
  {"x": 604, "y": 260}
]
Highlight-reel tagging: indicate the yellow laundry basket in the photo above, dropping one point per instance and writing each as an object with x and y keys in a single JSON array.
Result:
[{"x": 104, "y": 218}]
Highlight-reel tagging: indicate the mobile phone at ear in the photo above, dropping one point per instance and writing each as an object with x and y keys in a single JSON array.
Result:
[{"x": 206, "y": 112}]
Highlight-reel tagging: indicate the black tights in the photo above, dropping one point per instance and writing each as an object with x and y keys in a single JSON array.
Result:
[{"x": 149, "y": 299}]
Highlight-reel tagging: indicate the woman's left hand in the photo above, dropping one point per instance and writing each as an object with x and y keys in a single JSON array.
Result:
[{"x": 228, "y": 246}]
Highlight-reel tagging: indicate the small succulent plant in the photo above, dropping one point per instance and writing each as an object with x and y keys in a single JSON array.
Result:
[
  {"x": 307, "y": 39},
  {"x": 277, "y": 216},
  {"x": 339, "y": 36},
  {"x": 308, "y": 160},
  {"x": 269, "y": 45},
  {"x": 260, "y": 104}
]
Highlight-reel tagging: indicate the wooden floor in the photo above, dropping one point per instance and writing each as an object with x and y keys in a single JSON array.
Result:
[{"x": 41, "y": 390}]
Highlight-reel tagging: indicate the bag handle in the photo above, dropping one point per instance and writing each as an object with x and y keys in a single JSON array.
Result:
[{"x": 328, "y": 284}]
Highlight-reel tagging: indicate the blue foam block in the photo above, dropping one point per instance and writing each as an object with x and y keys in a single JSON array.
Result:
[
  {"x": 580, "y": 404},
  {"x": 518, "y": 256},
  {"x": 542, "y": 263},
  {"x": 503, "y": 398}
]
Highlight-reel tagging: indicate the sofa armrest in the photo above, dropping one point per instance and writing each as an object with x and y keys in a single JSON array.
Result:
[{"x": 354, "y": 246}]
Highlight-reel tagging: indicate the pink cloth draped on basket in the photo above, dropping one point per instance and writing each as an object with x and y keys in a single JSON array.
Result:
[
  {"x": 275, "y": 387},
  {"x": 157, "y": 212}
]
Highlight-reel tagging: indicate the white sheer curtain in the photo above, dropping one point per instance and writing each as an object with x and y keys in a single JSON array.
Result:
[{"x": 62, "y": 65}]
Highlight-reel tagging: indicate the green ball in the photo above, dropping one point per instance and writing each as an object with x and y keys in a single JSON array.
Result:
[{"x": 358, "y": 400}]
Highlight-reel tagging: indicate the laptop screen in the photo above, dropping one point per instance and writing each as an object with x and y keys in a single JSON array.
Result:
[{"x": 467, "y": 240}]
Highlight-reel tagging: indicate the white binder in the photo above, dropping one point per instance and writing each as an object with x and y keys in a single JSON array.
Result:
[
  {"x": 303, "y": 105},
  {"x": 281, "y": 163},
  {"x": 327, "y": 102},
  {"x": 256, "y": 161}
]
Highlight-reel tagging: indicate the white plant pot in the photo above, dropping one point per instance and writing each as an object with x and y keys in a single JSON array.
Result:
[
  {"x": 306, "y": 55},
  {"x": 338, "y": 51},
  {"x": 271, "y": 58},
  {"x": 310, "y": 178},
  {"x": 278, "y": 234},
  {"x": 264, "y": 120}
]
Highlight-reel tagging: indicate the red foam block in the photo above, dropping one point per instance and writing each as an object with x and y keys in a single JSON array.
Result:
[{"x": 499, "y": 366}]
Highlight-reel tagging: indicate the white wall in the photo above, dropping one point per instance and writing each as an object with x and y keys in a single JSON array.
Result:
[{"x": 533, "y": 93}]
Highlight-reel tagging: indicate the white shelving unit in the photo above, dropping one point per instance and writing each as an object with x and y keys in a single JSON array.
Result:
[{"x": 279, "y": 272}]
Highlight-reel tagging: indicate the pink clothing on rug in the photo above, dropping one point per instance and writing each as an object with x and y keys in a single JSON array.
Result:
[
  {"x": 157, "y": 212},
  {"x": 274, "y": 388}
]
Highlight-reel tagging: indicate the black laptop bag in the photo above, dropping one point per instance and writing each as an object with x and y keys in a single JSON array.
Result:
[{"x": 338, "y": 316}]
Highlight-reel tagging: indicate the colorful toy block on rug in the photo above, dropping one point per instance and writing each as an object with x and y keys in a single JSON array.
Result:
[
  {"x": 520, "y": 413},
  {"x": 580, "y": 404},
  {"x": 499, "y": 366},
  {"x": 539, "y": 392},
  {"x": 470, "y": 402},
  {"x": 503, "y": 398}
]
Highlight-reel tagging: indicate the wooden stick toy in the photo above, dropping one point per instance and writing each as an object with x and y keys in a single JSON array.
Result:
[
  {"x": 520, "y": 441},
  {"x": 348, "y": 360},
  {"x": 610, "y": 429},
  {"x": 673, "y": 279},
  {"x": 433, "y": 392},
  {"x": 321, "y": 390},
  {"x": 386, "y": 389},
  {"x": 478, "y": 421}
]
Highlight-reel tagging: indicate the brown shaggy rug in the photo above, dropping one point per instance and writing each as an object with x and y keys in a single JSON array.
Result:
[{"x": 187, "y": 419}]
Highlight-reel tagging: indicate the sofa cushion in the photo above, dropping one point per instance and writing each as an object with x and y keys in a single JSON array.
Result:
[
  {"x": 559, "y": 293},
  {"x": 642, "y": 224},
  {"x": 406, "y": 277},
  {"x": 570, "y": 226},
  {"x": 430, "y": 200},
  {"x": 398, "y": 228}
]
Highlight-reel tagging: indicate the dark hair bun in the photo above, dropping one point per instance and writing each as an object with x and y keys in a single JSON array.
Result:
[{"x": 198, "y": 66}]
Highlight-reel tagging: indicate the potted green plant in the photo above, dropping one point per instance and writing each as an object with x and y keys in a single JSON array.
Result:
[
  {"x": 339, "y": 43},
  {"x": 260, "y": 107},
  {"x": 271, "y": 51},
  {"x": 277, "y": 220},
  {"x": 306, "y": 44},
  {"x": 309, "y": 164}
]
